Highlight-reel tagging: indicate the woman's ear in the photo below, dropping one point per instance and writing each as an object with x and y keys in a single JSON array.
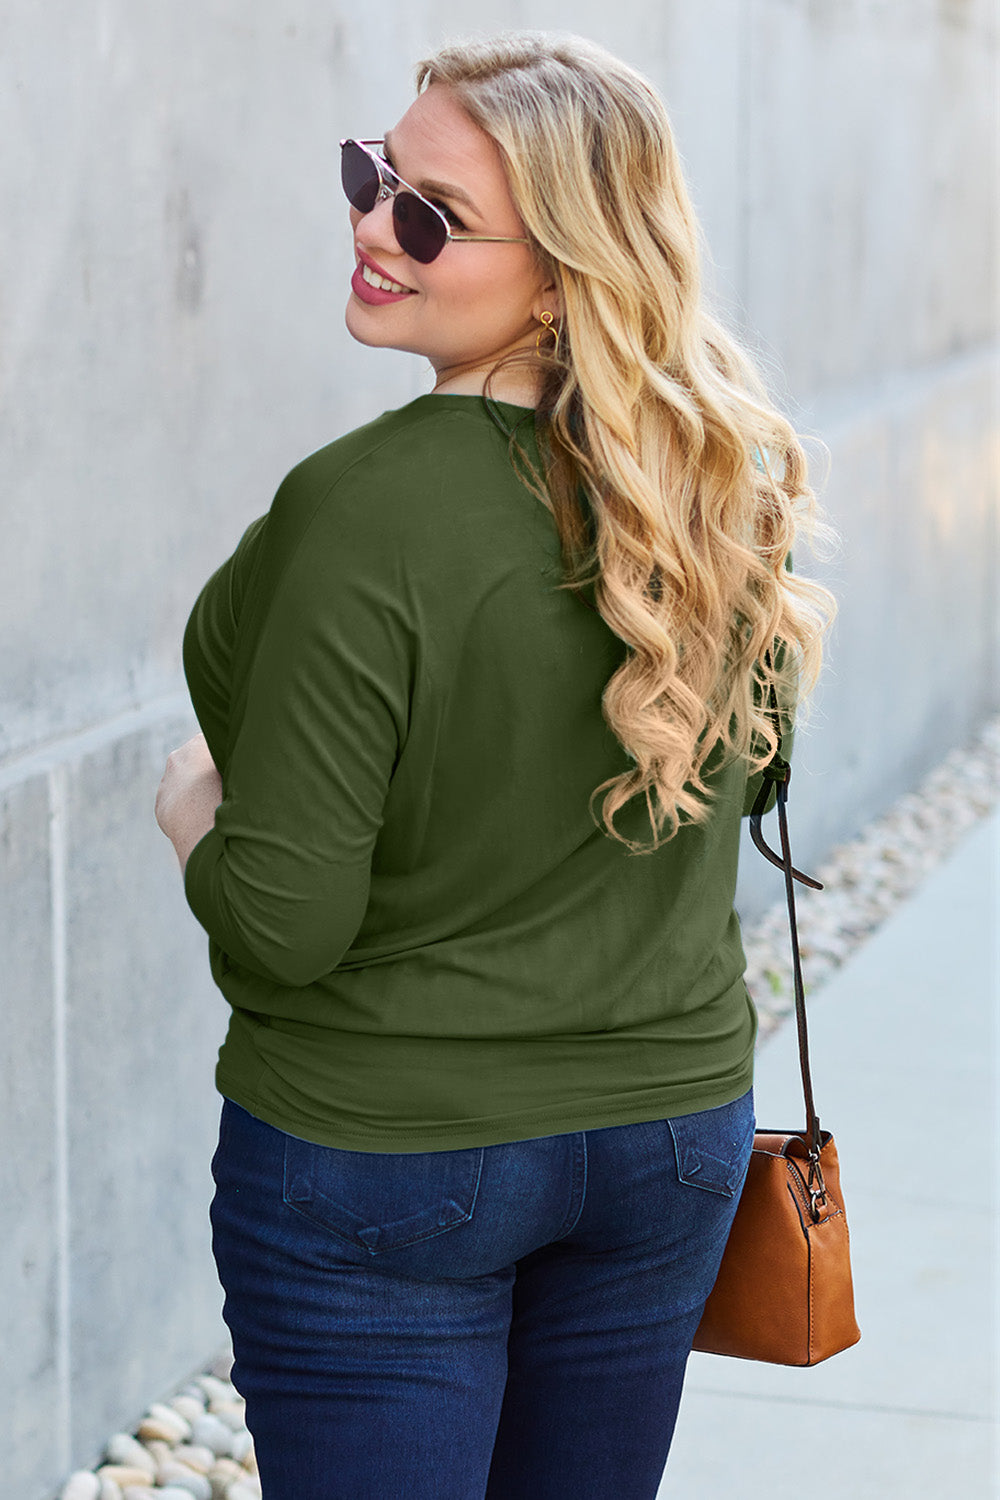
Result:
[{"x": 549, "y": 299}]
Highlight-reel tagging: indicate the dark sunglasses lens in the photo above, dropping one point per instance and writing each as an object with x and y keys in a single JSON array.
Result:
[
  {"x": 359, "y": 177},
  {"x": 421, "y": 234}
]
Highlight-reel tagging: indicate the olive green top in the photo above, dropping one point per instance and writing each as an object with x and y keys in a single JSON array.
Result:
[{"x": 426, "y": 939}]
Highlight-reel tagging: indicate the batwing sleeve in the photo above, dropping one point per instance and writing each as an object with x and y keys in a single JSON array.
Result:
[
  {"x": 281, "y": 881},
  {"x": 210, "y": 637}
]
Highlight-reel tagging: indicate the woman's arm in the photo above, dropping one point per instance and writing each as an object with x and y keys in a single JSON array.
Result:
[
  {"x": 210, "y": 639},
  {"x": 280, "y": 878}
]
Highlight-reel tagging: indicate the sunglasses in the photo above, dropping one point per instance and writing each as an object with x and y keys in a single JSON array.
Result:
[{"x": 422, "y": 230}]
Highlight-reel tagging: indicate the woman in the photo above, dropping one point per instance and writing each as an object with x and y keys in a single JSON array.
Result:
[{"x": 488, "y": 1077}]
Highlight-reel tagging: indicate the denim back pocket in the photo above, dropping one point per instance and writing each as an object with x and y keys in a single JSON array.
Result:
[
  {"x": 713, "y": 1146},
  {"x": 382, "y": 1201}
]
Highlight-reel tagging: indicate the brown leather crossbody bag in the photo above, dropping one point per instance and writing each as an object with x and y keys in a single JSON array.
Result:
[{"x": 784, "y": 1293}]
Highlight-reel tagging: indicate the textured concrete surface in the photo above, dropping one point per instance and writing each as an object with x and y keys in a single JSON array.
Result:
[
  {"x": 109, "y": 1115},
  {"x": 144, "y": 1023},
  {"x": 913, "y": 493},
  {"x": 903, "y": 1042},
  {"x": 32, "y": 1177},
  {"x": 865, "y": 121}
]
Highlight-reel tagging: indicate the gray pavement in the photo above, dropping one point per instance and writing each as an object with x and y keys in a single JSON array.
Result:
[{"x": 904, "y": 1059}]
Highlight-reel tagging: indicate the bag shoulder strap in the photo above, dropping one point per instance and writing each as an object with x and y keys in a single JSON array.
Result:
[{"x": 780, "y": 772}]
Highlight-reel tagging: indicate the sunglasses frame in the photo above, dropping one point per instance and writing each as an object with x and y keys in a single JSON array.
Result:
[{"x": 386, "y": 190}]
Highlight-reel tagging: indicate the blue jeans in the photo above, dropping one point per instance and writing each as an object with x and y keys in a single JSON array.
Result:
[{"x": 503, "y": 1322}]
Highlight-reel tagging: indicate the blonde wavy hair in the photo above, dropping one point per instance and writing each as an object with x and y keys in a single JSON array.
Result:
[{"x": 654, "y": 420}]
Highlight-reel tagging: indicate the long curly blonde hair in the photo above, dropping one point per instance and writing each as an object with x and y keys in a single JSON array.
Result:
[{"x": 677, "y": 487}]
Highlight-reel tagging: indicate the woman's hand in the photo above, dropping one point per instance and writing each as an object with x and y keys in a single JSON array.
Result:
[{"x": 189, "y": 792}]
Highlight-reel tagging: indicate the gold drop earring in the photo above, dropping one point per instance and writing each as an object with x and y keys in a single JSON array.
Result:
[{"x": 546, "y": 319}]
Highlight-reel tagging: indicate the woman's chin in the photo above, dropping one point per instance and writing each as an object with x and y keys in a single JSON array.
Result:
[{"x": 360, "y": 328}]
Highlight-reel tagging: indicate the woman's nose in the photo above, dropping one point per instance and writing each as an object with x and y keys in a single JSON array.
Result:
[{"x": 378, "y": 222}]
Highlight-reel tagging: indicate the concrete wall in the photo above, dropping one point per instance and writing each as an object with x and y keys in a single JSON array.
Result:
[{"x": 174, "y": 260}]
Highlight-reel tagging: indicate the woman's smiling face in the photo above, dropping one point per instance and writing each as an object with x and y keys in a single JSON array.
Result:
[{"x": 477, "y": 300}]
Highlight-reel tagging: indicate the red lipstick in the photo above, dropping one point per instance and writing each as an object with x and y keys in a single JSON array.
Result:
[{"x": 372, "y": 294}]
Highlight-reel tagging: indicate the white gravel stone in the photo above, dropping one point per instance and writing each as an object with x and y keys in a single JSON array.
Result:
[
  {"x": 127, "y": 1450},
  {"x": 110, "y": 1490},
  {"x": 223, "y": 1474},
  {"x": 195, "y": 1393},
  {"x": 179, "y": 1476},
  {"x": 212, "y": 1433},
  {"x": 243, "y": 1489},
  {"x": 216, "y": 1389},
  {"x": 163, "y": 1422},
  {"x": 242, "y": 1445},
  {"x": 233, "y": 1413},
  {"x": 195, "y": 1456},
  {"x": 83, "y": 1485},
  {"x": 188, "y": 1407},
  {"x": 158, "y": 1449},
  {"x": 123, "y": 1474}
]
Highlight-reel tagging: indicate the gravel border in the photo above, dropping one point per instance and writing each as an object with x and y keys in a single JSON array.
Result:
[
  {"x": 195, "y": 1444},
  {"x": 865, "y": 880}
]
